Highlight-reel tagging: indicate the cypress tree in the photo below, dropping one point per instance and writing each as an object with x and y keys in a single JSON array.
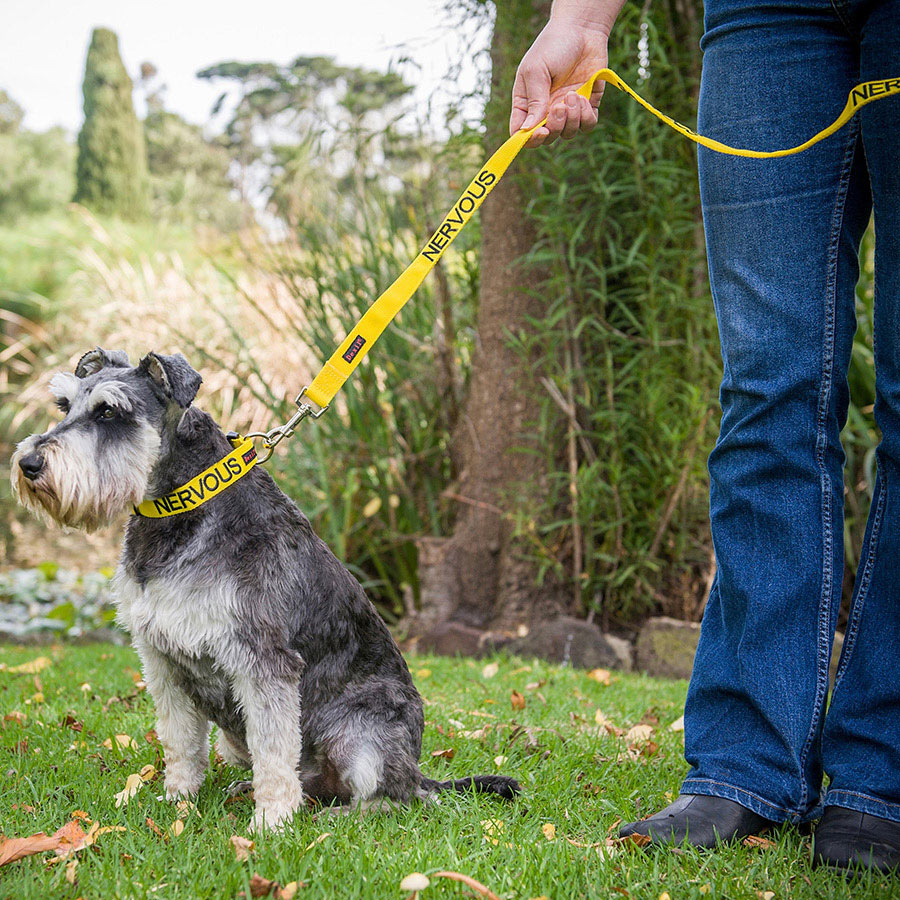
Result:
[{"x": 111, "y": 173}]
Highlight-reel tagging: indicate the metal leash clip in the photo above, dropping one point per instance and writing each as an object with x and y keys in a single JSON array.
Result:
[{"x": 305, "y": 407}]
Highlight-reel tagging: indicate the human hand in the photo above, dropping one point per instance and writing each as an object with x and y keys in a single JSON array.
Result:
[{"x": 565, "y": 54}]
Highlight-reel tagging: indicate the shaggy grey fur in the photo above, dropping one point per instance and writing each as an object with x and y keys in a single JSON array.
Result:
[{"x": 242, "y": 615}]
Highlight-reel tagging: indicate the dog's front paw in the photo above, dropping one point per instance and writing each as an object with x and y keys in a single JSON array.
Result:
[
  {"x": 273, "y": 811},
  {"x": 182, "y": 785}
]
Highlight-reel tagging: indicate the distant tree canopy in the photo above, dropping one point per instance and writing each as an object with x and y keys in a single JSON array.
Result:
[
  {"x": 11, "y": 114},
  {"x": 35, "y": 169},
  {"x": 188, "y": 174},
  {"x": 111, "y": 171},
  {"x": 280, "y": 119}
]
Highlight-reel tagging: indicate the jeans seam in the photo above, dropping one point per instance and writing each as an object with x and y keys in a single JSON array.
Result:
[
  {"x": 823, "y": 643},
  {"x": 864, "y": 581},
  {"x": 740, "y": 790},
  {"x": 867, "y": 797}
]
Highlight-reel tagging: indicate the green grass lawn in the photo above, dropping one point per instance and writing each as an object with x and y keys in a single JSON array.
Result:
[{"x": 580, "y": 778}]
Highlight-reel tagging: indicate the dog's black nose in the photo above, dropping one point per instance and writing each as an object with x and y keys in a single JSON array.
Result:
[{"x": 32, "y": 465}]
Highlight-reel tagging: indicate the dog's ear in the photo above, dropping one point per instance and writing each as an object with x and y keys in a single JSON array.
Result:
[
  {"x": 98, "y": 358},
  {"x": 173, "y": 376}
]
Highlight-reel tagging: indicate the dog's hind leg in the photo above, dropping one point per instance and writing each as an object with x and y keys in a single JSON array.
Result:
[
  {"x": 232, "y": 749},
  {"x": 182, "y": 729},
  {"x": 272, "y": 713}
]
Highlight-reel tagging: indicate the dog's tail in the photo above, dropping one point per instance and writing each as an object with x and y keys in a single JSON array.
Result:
[{"x": 506, "y": 788}]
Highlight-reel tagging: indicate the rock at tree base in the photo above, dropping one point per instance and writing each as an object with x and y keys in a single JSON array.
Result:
[
  {"x": 666, "y": 647},
  {"x": 574, "y": 642}
]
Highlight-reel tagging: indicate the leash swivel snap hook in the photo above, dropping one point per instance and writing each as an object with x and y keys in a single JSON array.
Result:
[{"x": 272, "y": 437}]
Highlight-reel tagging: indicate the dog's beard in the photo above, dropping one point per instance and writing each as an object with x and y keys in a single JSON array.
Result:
[{"x": 79, "y": 488}]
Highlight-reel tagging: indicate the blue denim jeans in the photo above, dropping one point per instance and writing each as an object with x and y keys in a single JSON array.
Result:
[{"x": 783, "y": 238}]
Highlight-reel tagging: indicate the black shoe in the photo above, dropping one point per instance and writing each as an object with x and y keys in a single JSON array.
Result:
[
  {"x": 702, "y": 821},
  {"x": 847, "y": 839}
]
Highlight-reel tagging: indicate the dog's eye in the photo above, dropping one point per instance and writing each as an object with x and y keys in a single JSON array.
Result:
[
  {"x": 62, "y": 404},
  {"x": 106, "y": 412}
]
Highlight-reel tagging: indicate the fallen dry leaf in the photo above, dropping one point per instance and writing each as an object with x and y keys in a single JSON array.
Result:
[
  {"x": 71, "y": 873},
  {"x": 242, "y": 847},
  {"x": 638, "y": 734},
  {"x": 265, "y": 887},
  {"x": 449, "y": 753},
  {"x": 185, "y": 808},
  {"x": 154, "y": 827},
  {"x": 32, "y": 667},
  {"x": 123, "y": 741},
  {"x": 476, "y": 886},
  {"x": 517, "y": 700},
  {"x": 14, "y": 716},
  {"x": 606, "y": 724},
  {"x": 176, "y": 828},
  {"x": 758, "y": 842},
  {"x": 73, "y": 838},
  {"x": 499, "y": 760},
  {"x": 12, "y": 849},
  {"x": 665, "y": 896},
  {"x": 133, "y": 784},
  {"x": 766, "y": 895},
  {"x": 549, "y": 831},
  {"x": 318, "y": 840},
  {"x": 603, "y": 676},
  {"x": 639, "y": 840},
  {"x": 678, "y": 724},
  {"x": 476, "y": 735},
  {"x": 490, "y": 670},
  {"x": 423, "y": 673}
]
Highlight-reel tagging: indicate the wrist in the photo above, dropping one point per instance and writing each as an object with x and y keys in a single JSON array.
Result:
[{"x": 591, "y": 15}]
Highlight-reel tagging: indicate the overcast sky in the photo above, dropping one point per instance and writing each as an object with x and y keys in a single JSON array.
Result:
[{"x": 43, "y": 44}]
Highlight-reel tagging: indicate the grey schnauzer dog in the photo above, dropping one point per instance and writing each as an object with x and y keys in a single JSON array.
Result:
[{"x": 241, "y": 615}]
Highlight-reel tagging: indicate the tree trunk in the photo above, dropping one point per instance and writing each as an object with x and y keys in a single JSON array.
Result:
[{"x": 479, "y": 577}]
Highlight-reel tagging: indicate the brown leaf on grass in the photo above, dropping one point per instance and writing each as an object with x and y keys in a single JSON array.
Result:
[
  {"x": 318, "y": 840},
  {"x": 25, "y": 807},
  {"x": 12, "y": 849},
  {"x": 242, "y": 847},
  {"x": 517, "y": 700},
  {"x": 758, "y": 842},
  {"x": 71, "y": 722},
  {"x": 71, "y": 873},
  {"x": 32, "y": 667},
  {"x": 449, "y": 753},
  {"x": 265, "y": 887},
  {"x": 639, "y": 734},
  {"x": 154, "y": 827},
  {"x": 72, "y": 838},
  {"x": 638, "y": 840},
  {"x": 133, "y": 784},
  {"x": 14, "y": 716},
  {"x": 603, "y": 676},
  {"x": 150, "y": 737},
  {"x": 476, "y": 886}
]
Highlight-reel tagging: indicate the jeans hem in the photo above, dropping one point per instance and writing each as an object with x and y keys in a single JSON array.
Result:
[
  {"x": 864, "y": 803},
  {"x": 762, "y": 807}
]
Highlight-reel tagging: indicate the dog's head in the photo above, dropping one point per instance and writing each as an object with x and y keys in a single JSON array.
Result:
[{"x": 98, "y": 461}]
